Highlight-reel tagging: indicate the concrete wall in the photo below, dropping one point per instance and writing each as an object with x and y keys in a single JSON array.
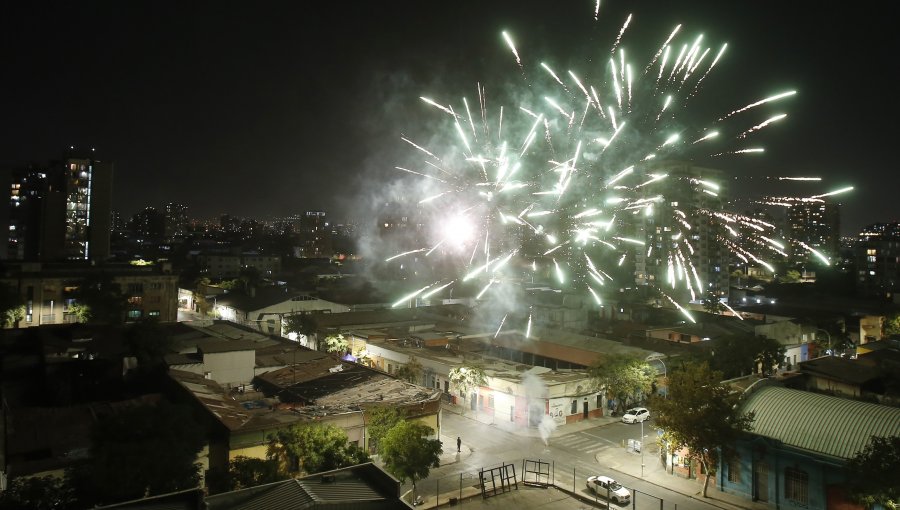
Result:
[{"x": 230, "y": 369}]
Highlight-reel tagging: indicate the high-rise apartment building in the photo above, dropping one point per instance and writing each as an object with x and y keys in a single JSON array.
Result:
[
  {"x": 61, "y": 212},
  {"x": 176, "y": 219},
  {"x": 683, "y": 254},
  {"x": 813, "y": 224},
  {"x": 877, "y": 253},
  {"x": 315, "y": 235}
]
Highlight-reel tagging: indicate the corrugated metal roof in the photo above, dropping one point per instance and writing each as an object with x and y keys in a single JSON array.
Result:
[
  {"x": 824, "y": 424},
  {"x": 351, "y": 487},
  {"x": 287, "y": 495}
]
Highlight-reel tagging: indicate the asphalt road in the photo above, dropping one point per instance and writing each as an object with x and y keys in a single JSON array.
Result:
[{"x": 565, "y": 460}]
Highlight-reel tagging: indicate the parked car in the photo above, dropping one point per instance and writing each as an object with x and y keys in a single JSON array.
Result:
[
  {"x": 635, "y": 415},
  {"x": 605, "y": 486}
]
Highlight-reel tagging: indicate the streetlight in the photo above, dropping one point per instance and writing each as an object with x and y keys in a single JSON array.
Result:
[
  {"x": 665, "y": 375},
  {"x": 642, "y": 448},
  {"x": 829, "y": 339}
]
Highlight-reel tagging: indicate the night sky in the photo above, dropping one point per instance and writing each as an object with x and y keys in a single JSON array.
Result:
[{"x": 264, "y": 109}]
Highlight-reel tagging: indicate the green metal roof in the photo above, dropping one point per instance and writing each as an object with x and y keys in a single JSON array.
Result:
[{"x": 828, "y": 425}]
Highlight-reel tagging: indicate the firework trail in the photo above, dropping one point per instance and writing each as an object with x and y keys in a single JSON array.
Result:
[
  {"x": 512, "y": 47},
  {"x": 592, "y": 179}
]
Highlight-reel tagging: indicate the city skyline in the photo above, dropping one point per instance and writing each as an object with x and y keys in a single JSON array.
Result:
[{"x": 266, "y": 111}]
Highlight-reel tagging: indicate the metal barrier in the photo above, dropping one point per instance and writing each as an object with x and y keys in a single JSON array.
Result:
[{"x": 460, "y": 488}]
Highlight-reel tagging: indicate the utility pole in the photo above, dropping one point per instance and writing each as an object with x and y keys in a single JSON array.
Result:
[{"x": 642, "y": 448}]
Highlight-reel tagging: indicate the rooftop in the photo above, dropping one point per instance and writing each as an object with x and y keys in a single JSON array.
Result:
[{"x": 812, "y": 422}]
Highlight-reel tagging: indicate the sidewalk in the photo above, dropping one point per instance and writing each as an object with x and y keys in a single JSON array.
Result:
[{"x": 654, "y": 471}]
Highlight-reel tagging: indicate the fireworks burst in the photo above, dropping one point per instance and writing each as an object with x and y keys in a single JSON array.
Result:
[{"x": 592, "y": 180}]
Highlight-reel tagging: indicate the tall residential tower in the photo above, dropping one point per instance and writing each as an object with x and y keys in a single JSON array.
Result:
[{"x": 60, "y": 212}]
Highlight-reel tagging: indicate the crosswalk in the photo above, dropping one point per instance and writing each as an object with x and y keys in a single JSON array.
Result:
[{"x": 582, "y": 442}]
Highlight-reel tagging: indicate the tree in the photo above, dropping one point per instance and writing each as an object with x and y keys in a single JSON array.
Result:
[
  {"x": 12, "y": 306},
  {"x": 892, "y": 325},
  {"x": 229, "y": 284},
  {"x": 103, "y": 299},
  {"x": 739, "y": 355},
  {"x": 626, "y": 378},
  {"x": 244, "y": 472},
  {"x": 467, "y": 378},
  {"x": 139, "y": 451},
  {"x": 792, "y": 276},
  {"x": 12, "y": 316},
  {"x": 769, "y": 354},
  {"x": 700, "y": 414},
  {"x": 37, "y": 493},
  {"x": 408, "y": 453},
  {"x": 149, "y": 342},
  {"x": 82, "y": 313},
  {"x": 712, "y": 304},
  {"x": 302, "y": 324},
  {"x": 336, "y": 343},
  {"x": 249, "y": 279},
  {"x": 380, "y": 420},
  {"x": 200, "y": 286},
  {"x": 872, "y": 473},
  {"x": 313, "y": 448},
  {"x": 737, "y": 275},
  {"x": 411, "y": 371}
]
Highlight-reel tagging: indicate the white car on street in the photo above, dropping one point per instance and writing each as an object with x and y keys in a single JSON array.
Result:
[
  {"x": 636, "y": 415},
  {"x": 606, "y": 487}
]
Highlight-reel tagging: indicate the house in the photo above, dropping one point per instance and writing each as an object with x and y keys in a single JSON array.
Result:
[
  {"x": 796, "y": 335},
  {"x": 526, "y": 379},
  {"x": 264, "y": 308},
  {"x": 217, "y": 265},
  {"x": 842, "y": 376},
  {"x": 441, "y": 339},
  {"x": 420, "y": 318},
  {"x": 223, "y": 351},
  {"x": 48, "y": 290},
  {"x": 364, "y": 486},
  {"x": 316, "y": 388},
  {"x": 688, "y": 333},
  {"x": 558, "y": 349},
  {"x": 800, "y": 441}
]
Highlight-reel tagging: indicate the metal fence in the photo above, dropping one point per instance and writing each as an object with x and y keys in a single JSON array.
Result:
[{"x": 469, "y": 487}]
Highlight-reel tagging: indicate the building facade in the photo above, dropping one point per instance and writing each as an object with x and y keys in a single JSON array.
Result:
[
  {"x": 61, "y": 212},
  {"x": 176, "y": 219},
  {"x": 877, "y": 254},
  {"x": 813, "y": 224},
  {"x": 685, "y": 217},
  {"x": 800, "y": 442},
  {"x": 48, "y": 290}
]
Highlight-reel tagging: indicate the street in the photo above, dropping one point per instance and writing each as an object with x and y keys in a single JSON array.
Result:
[{"x": 566, "y": 460}]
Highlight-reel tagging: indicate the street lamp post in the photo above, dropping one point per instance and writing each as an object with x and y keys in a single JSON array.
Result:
[
  {"x": 830, "y": 351},
  {"x": 642, "y": 448},
  {"x": 665, "y": 375}
]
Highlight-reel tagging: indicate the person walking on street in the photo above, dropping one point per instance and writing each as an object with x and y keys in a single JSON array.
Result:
[{"x": 458, "y": 445}]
